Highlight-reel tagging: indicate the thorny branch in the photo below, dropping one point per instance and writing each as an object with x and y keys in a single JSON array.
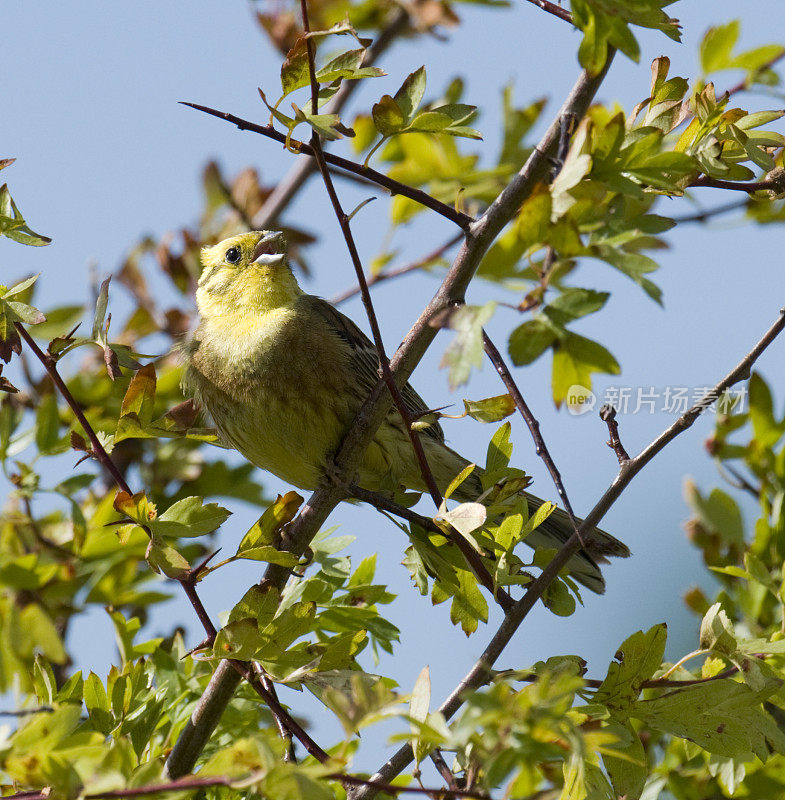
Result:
[
  {"x": 531, "y": 421},
  {"x": 395, "y": 187},
  {"x": 608, "y": 416}
]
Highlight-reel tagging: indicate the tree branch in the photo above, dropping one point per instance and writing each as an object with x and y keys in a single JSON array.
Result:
[
  {"x": 395, "y": 187},
  {"x": 480, "y": 671},
  {"x": 531, "y": 422},
  {"x": 379, "y": 277},
  {"x": 775, "y": 184},
  {"x": 554, "y": 9},
  {"x": 188, "y": 582},
  {"x": 608, "y": 416}
]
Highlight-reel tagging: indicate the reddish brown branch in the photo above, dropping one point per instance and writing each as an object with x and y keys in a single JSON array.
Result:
[
  {"x": 188, "y": 583},
  {"x": 775, "y": 184},
  {"x": 395, "y": 187},
  {"x": 531, "y": 421},
  {"x": 379, "y": 277},
  {"x": 608, "y": 416},
  {"x": 554, "y": 9},
  {"x": 346, "y": 230}
]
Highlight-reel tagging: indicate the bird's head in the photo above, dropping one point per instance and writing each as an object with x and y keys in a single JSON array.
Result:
[{"x": 249, "y": 271}]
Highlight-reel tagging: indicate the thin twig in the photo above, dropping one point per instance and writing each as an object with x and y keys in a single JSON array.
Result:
[
  {"x": 443, "y": 769},
  {"x": 480, "y": 671},
  {"x": 702, "y": 216},
  {"x": 396, "y": 272},
  {"x": 745, "y": 84},
  {"x": 737, "y": 480},
  {"x": 738, "y": 186},
  {"x": 608, "y": 416},
  {"x": 531, "y": 421},
  {"x": 552, "y": 8},
  {"x": 27, "y": 712},
  {"x": 50, "y": 365},
  {"x": 45, "y": 541},
  {"x": 395, "y": 187},
  {"x": 382, "y": 503}
]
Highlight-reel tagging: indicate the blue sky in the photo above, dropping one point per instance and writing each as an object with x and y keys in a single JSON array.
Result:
[{"x": 105, "y": 154}]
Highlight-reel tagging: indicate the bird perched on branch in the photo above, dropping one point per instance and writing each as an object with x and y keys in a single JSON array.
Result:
[{"x": 283, "y": 373}]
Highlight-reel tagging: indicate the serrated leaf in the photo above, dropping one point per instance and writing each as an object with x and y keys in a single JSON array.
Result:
[
  {"x": 410, "y": 95},
  {"x": 163, "y": 558},
  {"x": 191, "y": 516},
  {"x": 722, "y": 716},
  {"x": 638, "y": 658},
  {"x": 575, "y": 359}
]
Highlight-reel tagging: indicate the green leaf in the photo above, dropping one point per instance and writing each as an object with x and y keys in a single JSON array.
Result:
[
  {"x": 410, "y": 95},
  {"x": 575, "y": 358},
  {"x": 387, "y": 116},
  {"x": 97, "y": 703},
  {"x": 47, "y": 424},
  {"x": 558, "y": 599},
  {"x": 717, "y": 45},
  {"x": 12, "y": 223},
  {"x": 499, "y": 450},
  {"x": 468, "y": 605},
  {"x": 189, "y": 517},
  {"x": 163, "y": 558},
  {"x": 466, "y": 349},
  {"x": 491, "y": 409},
  {"x": 638, "y": 658},
  {"x": 294, "y": 70},
  {"x": 347, "y": 66},
  {"x": 265, "y": 530},
  {"x": 574, "y": 303},
  {"x": 628, "y": 774},
  {"x": 530, "y": 340},
  {"x": 722, "y": 716},
  {"x": 767, "y": 429}
]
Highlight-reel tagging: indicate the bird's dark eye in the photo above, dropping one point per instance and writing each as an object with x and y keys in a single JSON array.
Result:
[{"x": 233, "y": 255}]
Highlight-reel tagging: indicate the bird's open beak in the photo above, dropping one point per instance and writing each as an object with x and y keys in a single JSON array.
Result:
[{"x": 268, "y": 250}]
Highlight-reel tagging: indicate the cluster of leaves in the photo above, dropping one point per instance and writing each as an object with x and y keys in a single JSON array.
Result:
[{"x": 600, "y": 206}]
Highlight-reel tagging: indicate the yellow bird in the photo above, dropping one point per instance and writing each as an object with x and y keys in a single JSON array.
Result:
[{"x": 283, "y": 373}]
